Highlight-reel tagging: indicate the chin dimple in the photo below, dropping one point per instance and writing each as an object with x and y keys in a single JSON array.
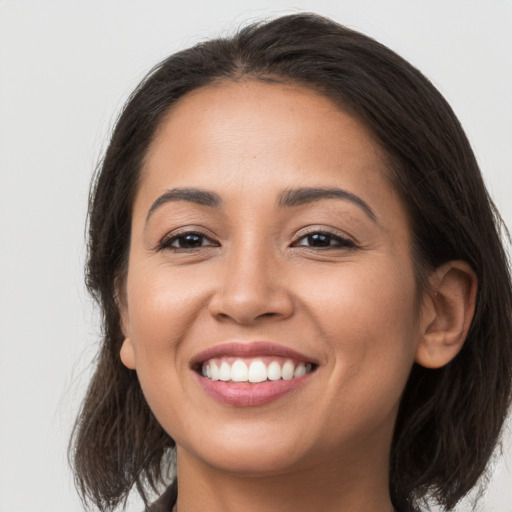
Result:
[{"x": 254, "y": 370}]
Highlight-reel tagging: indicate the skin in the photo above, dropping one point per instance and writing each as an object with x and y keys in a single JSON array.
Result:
[{"x": 353, "y": 308}]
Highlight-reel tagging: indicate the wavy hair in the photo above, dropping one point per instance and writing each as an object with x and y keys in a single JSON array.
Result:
[{"x": 450, "y": 418}]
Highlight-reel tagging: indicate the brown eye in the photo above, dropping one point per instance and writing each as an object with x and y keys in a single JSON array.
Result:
[
  {"x": 187, "y": 241},
  {"x": 324, "y": 240},
  {"x": 319, "y": 240}
]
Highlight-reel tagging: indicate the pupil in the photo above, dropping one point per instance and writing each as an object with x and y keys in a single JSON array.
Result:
[
  {"x": 319, "y": 240},
  {"x": 190, "y": 241}
]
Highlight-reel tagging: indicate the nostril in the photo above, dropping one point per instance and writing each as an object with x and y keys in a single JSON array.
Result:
[{"x": 246, "y": 304}]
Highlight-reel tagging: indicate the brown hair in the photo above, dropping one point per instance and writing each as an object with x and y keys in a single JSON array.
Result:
[{"x": 450, "y": 419}]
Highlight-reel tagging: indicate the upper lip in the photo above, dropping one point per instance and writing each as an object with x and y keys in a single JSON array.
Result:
[{"x": 249, "y": 349}]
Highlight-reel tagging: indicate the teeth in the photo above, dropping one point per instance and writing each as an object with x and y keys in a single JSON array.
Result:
[
  {"x": 256, "y": 371},
  {"x": 214, "y": 371},
  {"x": 300, "y": 370},
  {"x": 239, "y": 371},
  {"x": 274, "y": 371},
  {"x": 225, "y": 372},
  {"x": 287, "y": 370}
]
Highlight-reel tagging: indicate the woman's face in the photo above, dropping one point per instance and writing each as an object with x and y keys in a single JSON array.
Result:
[{"x": 268, "y": 245}]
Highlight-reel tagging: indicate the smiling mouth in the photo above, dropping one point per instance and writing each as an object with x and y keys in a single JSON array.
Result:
[
  {"x": 249, "y": 374},
  {"x": 254, "y": 370}
]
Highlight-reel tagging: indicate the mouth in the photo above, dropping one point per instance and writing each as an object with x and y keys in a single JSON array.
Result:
[
  {"x": 254, "y": 370},
  {"x": 249, "y": 374}
]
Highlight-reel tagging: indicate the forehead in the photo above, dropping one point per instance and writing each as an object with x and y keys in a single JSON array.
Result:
[{"x": 269, "y": 136}]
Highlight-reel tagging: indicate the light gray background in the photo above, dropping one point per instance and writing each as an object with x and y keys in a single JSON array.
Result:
[{"x": 65, "y": 70}]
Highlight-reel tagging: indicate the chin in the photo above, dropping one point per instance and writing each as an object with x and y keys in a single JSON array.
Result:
[
  {"x": 250, "y": 454},
  {"x": 254, "y": 461}
]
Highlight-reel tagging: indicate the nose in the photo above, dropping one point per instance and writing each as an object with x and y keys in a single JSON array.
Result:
[{"x": 251, "y": 288}]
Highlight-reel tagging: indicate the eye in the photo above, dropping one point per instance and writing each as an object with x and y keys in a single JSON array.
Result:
[
  {"x": 324, "y": 240},
  {"x": 187, "y": 241}
]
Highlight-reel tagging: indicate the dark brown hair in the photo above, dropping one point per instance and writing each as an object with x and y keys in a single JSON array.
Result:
[{"x": 450, "y": 419}]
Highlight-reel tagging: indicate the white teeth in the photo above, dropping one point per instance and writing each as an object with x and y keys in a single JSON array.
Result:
[
  {"x": 300, "y": 370},
  {"x": 287, "y": 370},
  {"x": 214, "y": 370},
  {"x": 274, "y": 371},
  {"x": 239, "y": 371},
  {"x": 257, "y": 371},
  {"x": 225, "y": 371}
]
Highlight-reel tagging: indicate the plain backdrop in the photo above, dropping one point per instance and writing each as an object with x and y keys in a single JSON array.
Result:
[{"x": 65, "y": 70}]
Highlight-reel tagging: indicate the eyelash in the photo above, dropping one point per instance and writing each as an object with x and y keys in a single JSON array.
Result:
[
  {"x": 341, "y": 242},
  {"x": 167, "y": 242}
]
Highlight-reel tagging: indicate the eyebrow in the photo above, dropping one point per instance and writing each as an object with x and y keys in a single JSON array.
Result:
[
  {"x": 301, "y": 196},
  {"x": 287, "y": 198},
  {"x": 192, "y": 195}
]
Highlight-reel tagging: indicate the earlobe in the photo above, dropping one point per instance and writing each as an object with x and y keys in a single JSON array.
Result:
[
  {"x": 447, "y": 314},
  {"x": 127, "y": 354}
]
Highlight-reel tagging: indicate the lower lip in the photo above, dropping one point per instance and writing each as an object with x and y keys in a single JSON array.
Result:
[{"x": 244, "y": 394}]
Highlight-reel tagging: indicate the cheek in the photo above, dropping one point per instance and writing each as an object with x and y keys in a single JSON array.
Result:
[
  {"x": 379, "y": 297},
  {"x": 162, "y": 307},
  {"x": 163, "y": 310},
  {"x": 374, "y": 347},
  {"x": 368, "y": 315}
]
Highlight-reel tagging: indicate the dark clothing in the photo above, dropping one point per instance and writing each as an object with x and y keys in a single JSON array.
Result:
[{"x": 166, "y": 501}]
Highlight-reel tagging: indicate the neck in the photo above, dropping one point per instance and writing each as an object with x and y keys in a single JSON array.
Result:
[{"x": 352, "y": 485}]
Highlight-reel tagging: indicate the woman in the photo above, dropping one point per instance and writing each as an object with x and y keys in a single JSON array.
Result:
[{"x": 306, "y": 302}]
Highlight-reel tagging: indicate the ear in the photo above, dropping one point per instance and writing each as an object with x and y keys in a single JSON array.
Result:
[
  {"x": 447, "y": 311},
  {"x": 127, "y": 352}
]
